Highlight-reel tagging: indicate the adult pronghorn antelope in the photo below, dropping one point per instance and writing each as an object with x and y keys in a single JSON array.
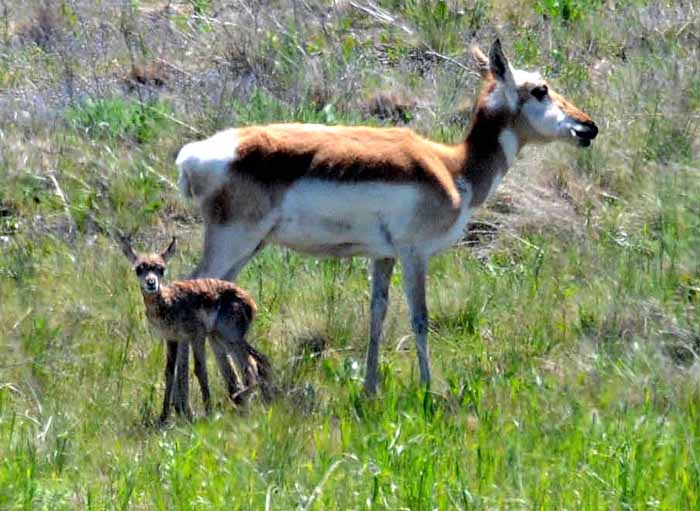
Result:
[{"x": 383, "y": 193}]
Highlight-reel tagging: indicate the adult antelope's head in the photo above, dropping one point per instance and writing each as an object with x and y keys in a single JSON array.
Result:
[
  {"x": 527, "y": 104},
  {"x": 149, "y": 268}
]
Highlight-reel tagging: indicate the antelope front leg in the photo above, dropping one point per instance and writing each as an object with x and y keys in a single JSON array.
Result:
[
  {"x": 227, "y": 248},
  {"x": 181, "y": 391},
  {"x": 414, "y": 271},
  {"x": 200, "y": 370},
  {"x": 171, "y": 347},
  {"x": 381, "y": 278}
]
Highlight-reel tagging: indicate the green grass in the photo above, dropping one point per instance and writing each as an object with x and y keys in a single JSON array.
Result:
[
  {"x": 541, "y": 398},
  {"x": 564, "y": 353},
  {"x": 111, "y": 118}
]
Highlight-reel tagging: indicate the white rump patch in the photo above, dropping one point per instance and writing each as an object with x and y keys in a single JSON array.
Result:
[
  {"x": 206, "y": 160},
  {"x": 510, "y": 145}
]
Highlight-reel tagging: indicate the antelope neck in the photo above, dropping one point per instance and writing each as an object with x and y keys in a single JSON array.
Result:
[{"x": 490, "y": 149}]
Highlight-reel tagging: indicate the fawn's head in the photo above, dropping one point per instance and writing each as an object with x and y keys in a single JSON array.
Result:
[
  {"x": 527, "y": 104},
  {"x": 149, "y": 268}
]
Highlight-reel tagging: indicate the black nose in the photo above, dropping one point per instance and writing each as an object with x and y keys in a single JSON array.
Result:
[
  {"x": 587, "y": 130},
  {"x": 151, "y": 282}
]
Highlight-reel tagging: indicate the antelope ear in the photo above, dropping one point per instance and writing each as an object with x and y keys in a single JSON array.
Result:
[
  {"x": 125, "y": 244},
  {"x": 499, "y": 66},
  {"x": 170, "y": 251},
  {"x": 481, "y": 60}
]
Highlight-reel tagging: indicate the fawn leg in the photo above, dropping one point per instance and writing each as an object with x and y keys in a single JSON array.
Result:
[
  {"x": 200, "y": 370},
  {"x": 232, "y": 333},
  {"x": 255, "y": 368},
  {"x": 224, "y": 363},
  {"x": 181, "y": 391},
  {"x": 263, "y": 371},
  {"x": 247, "y": 371},
  {"x": 171, "y": 347}
]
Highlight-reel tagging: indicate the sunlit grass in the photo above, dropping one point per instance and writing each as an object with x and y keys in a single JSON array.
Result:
[
  {"x": 550, "y": 391},
  {"x": 565, "y": 354}
]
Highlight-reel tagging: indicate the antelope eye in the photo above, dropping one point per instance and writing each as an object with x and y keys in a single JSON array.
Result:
[
  {"x": 159, "y": 270},
  {"x": 140, "y": 270},
  {"x": 540, "y": 92}
]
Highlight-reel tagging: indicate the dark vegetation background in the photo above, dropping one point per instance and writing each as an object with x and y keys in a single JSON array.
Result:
[{"x": 565, "y": 330}]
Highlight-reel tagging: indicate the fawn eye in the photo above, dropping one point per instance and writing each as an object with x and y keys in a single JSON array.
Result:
[
  {"x": 540, "y": 92},
  {"x": 140, "y": 270}
]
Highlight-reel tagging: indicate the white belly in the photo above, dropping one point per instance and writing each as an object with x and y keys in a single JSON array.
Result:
[
  {"x": 371, "y": 219},
  {"x": 345, "y": 219}
]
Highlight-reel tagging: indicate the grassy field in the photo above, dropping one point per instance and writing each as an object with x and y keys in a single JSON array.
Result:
[{"x": 564, "y": 331}]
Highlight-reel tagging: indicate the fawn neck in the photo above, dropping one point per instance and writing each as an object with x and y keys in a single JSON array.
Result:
[{"x": 153, "y": 301}]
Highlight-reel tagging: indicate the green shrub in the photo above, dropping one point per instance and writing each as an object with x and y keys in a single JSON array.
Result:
[
  {"x": 527, "y": 48},
  {"x": 116, "y": 118},
  {"x": 137, "y": 195},
  {"x": 262, "y": 107},
  {"x": 200, "y": 7},
  {"x": 440, "y": 24},
  {"x": 669, "y": 139},
  {"x": 566, "y": 10}
]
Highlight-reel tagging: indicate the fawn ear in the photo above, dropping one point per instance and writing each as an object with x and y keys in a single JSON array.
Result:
[
  {"x": 125, "y": 243},
  {"x": 170, "y": 250}
]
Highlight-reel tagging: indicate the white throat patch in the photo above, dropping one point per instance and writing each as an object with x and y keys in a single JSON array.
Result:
[{"x": 510, "y": 145}]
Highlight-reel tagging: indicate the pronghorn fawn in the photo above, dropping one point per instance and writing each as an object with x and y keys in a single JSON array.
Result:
[
  {"x": 382, "y": 193},
  {"x": 192, "y": 310}
]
